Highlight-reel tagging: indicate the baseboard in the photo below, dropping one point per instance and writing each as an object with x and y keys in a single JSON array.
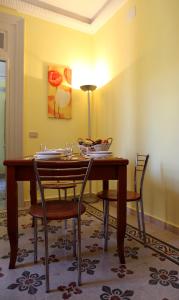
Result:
[
  {"x": 160, "y": 224},
  {"x": 149, "y": 219},
  {"x": 86, "y": 197}
]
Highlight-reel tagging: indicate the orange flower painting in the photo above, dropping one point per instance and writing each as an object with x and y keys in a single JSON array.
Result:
[{"x": 59, "y": 92}]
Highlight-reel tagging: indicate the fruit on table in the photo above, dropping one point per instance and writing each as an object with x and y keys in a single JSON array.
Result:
[
  {"x": 85, "y": 142},
  {"x": 88, "y": 142},
  {"x": 98, "y": 141}
]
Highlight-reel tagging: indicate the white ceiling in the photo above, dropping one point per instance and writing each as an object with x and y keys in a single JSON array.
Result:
[{"x": 84, "y": 15}]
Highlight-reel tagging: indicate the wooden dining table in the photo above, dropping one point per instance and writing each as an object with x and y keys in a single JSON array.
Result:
[{"x": 105, "y": 169}]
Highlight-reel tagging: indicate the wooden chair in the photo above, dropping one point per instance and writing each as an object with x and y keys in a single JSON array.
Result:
[
  {"x": 64, "y": 186},
  {"x": 132, "y": 196},
  {"x": 59, "y": 210},
  {"x": 61, "y": 185}
]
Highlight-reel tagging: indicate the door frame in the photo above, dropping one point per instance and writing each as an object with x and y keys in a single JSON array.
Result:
[{"x": 13, "y": 55}]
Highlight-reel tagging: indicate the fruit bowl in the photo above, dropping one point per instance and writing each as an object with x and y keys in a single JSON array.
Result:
[
  {"x": 102, "y": 147},
  {"x": 87, "y": 145}
]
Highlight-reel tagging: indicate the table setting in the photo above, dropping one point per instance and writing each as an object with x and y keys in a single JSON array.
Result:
[
  {"x": 46, "y": 153},
  {"x": 51, "y": 153},
  {"x": 86, "y": 148}
]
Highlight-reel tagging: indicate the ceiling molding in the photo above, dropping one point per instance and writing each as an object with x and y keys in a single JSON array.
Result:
[
  {"x": 58, "y": 10},
  {"x": 55, "y": 14}
]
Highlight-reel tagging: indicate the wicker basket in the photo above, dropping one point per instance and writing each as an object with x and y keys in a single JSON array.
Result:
[
  {"x": 102, "y": 147},
  {"x": 84, "y": 150},
  {"x": 98, "y": 147}
]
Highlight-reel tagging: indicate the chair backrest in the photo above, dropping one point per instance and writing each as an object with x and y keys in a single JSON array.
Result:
[
  {"x": 62, "y": 170},
  {"x": 139, "y": 172}
]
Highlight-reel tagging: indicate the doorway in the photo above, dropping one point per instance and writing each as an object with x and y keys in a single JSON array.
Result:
[
  {"x": 11, "y": 95},
  {"x": 2, "y": 132}
]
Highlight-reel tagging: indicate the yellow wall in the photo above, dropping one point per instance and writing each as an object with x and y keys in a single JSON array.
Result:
[
  {"x": 45, "y": 44},
  {"x": 139, "y": 106}
]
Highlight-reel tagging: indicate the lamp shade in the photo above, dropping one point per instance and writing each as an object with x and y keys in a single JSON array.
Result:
[{"x": 88, "y": 87}]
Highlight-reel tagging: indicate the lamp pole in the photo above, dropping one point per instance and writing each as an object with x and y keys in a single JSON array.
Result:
[
  {"x": 89, "y": 116},
  {"x": 89, "y": 88}
]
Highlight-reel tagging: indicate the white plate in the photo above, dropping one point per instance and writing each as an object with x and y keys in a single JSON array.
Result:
[
  {"x": 51, "y": 152},
  {"x": 47, "y": 156},
  {"x": 101, "y": 154}
]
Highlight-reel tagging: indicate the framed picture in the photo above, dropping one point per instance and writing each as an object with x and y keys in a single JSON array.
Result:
[{"x": 59, "y": 92}]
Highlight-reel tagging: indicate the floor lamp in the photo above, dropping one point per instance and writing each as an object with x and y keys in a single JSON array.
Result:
[{"x": 89, "y": 88}]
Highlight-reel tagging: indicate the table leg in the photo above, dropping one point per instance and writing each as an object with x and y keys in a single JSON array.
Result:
[
  {"x": 121, "y": 211},
  {"x": 105, "y": 187},
  {"x": 33, "y": 194},
  {"x": 12, "y": 215},
  {"x": 33, "y": 191}
]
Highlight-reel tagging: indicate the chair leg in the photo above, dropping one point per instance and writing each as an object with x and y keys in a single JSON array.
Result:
[
  {"x": 65, "y": 224},
  {"x": 35, "y": 239},
  {"x": 65, "y": 221},
  {"x": 138, "y": 219},
  {"x": 143, "y": 222},
  {"x": 59, "y": 194},
  {"x": 32, "y": 221},
  {"x": 106, "y": 219},
  {"x": 104, "y": 215},
  {"x": 74, "y": 193},
  {"x": 74, "y": 237},
  {"x": 79, "y": 250},
  {"x": 46, "y": 256}
]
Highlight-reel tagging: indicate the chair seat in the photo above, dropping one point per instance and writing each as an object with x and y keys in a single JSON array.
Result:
[
  {"x": 57, "y": 210},
  {"x": 58, "y": 185},
  {"x": 111, "y": 195}
]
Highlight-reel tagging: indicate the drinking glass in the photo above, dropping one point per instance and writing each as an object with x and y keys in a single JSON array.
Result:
[
  {"x": 43, "y": 147},
  {"x": 68, "y": 149}
]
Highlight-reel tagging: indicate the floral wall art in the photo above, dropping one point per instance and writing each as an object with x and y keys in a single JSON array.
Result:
[{"x": 59, "y": 92}]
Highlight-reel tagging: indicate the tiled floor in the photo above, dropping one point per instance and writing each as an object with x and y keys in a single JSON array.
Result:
[
  {"x": 151, "y": 228},
  {"x": 148, "y": 273}
]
